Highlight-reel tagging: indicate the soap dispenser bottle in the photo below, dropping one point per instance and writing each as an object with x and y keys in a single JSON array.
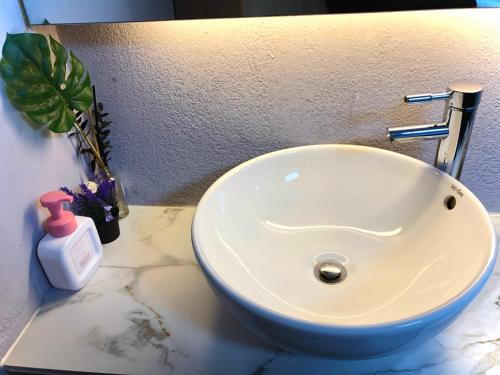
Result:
[{"x": 71, "y": 251}]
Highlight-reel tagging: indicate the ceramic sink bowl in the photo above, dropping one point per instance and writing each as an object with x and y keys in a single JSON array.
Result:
[{"x": 341, "y": 250}]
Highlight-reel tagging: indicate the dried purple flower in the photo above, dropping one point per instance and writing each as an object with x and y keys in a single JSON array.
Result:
[
  {"x": 109, "y": 214},
  {"x": 100, "y": 205}
]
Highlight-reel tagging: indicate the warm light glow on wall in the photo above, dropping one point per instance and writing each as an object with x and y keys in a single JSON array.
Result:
[
  {"x": 357, "y": 20},
  {"x": 460, "y": 25}
]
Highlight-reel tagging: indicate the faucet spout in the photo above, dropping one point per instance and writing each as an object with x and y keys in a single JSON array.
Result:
[
  {"x": 418, "y": 132},
  {"x": 462, "y": 100}
]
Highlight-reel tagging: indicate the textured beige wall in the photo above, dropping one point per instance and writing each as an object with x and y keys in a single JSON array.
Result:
[{"x": 191, "y": 99}]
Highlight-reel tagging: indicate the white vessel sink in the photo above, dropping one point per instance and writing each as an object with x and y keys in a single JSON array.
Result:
[{"x": 410, "y": 262}]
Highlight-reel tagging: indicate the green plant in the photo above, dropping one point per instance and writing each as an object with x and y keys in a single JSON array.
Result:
[
  {"x": 94, "y": 124},
  {"x": 102, "y": 134},
  {"x": 48, "y": 90}
]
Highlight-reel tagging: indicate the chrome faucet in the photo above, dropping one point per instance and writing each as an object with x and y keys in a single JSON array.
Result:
[{"x": 455, "y": 130}]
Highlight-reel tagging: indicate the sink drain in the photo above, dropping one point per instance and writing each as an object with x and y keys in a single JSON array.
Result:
[{"x": 330, "y": 272}]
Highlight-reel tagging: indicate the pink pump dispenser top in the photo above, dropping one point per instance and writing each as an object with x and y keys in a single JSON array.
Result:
[{"x": 61, "y": 222}]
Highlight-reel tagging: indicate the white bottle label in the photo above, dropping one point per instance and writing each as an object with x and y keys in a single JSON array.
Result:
[{"x": 81, "y": 253}]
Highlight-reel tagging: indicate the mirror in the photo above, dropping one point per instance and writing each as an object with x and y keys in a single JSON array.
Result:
[
  {"x": 196, "y": 9},
  {"x": 92, "y": 11}
]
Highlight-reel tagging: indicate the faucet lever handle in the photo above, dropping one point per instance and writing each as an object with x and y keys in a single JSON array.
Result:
[{"x": 427, "y": 97}]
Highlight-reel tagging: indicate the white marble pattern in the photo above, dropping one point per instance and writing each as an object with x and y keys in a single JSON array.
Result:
[{"x": 148, "y": 310}]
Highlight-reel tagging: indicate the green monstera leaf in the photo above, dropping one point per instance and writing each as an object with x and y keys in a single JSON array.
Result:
[{"x": 40, "y": 86}]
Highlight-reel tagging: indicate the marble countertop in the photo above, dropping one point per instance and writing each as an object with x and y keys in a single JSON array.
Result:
[{"x": 148, "y": 310}]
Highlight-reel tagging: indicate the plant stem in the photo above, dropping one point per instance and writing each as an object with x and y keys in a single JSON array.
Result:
[
  {"x": 94, "y": 128},
  {"x": 92, "y": 125},
  {"x": 95, "y": 107},
  {"x": 94, "y": 151}
]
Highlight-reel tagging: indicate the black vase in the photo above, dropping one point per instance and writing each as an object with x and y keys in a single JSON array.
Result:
[{"x": 109, "y": 231}]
